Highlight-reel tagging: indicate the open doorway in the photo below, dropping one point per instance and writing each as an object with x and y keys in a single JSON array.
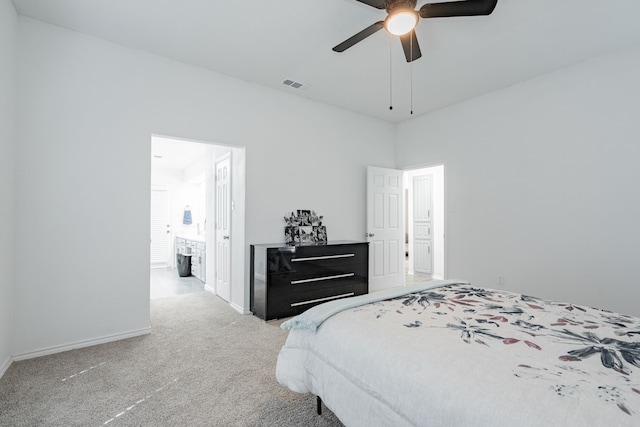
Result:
[
  {"x": 424, "y": 224},
  {"x": 186, "y": 207}
]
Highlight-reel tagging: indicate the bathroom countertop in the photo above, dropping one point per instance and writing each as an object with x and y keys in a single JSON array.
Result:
[{"x": 190, "y": 237}]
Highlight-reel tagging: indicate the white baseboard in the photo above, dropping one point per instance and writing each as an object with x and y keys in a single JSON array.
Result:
[
  {"x": 80, "y": 344},
  {"x": 239, "y": 309},
  {"x": 235, "y": 306},
  {"x": 5, "y": 366}
]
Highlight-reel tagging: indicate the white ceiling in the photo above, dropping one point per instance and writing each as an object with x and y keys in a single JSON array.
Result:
[
  {"x": 177, "y": 154},
  {"x": 267, "y": 42}
]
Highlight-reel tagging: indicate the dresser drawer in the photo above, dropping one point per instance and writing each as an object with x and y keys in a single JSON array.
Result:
[
  {"x": 301, "y": 259},
  {"x": 326, "y": 265},
  {"x": 308, "y": 296},
  {"x": 294, "y": 282},
  {"x": 308, "y": 292}
]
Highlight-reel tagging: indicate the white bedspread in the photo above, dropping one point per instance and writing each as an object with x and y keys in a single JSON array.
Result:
[
  {"x": 463, "y": 356},
  {"x": 314, "y": 317}
]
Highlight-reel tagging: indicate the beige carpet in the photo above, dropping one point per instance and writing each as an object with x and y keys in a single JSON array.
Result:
[{"x": 202, "y": 365}]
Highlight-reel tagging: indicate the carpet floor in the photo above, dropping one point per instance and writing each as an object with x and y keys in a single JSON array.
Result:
[{"x": 203, "y": 365}]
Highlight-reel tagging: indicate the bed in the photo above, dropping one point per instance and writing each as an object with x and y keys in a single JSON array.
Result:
[{"x": 446, "y": 353}]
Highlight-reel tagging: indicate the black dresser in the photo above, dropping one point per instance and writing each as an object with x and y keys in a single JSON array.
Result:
[{"x": 287, "y": 280}]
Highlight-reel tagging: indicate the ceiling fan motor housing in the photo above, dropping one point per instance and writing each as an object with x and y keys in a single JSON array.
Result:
[{"x": 397, "y": 5}]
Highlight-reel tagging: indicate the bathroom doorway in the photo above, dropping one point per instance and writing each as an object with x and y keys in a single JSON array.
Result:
[{"x": 183, "y": 216}]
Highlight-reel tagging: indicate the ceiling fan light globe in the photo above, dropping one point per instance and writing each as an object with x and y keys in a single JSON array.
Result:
[{"x": 400, "y": 23}]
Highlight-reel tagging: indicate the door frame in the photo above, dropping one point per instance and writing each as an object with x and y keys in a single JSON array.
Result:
[
  {"x": 239, "y": 289},
  {"x": 439, "y": 236},
  {"x": 221, "y": 158},
  {"x": 239, "y": 295}
]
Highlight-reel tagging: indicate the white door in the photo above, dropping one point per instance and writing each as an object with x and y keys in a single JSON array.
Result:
[
  {"x": 385, "y": 228},
  {"x": 223, "y": 227},
  {"x": 160, "y": 227},
  {"x": 422, "y": 224}
]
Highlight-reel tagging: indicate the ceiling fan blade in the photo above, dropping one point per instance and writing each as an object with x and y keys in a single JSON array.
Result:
[
  {"x": 358, "y": 37},
  {"x": 458, "y": 8},
  {"x": 410, "y": 45},
  {"x": 378, "y": 4}
]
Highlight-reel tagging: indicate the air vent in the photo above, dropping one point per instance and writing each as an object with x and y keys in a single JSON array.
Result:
[{"x": 296, "y": 85}]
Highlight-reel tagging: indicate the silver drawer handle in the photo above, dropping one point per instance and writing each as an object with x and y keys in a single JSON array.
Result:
[
  {"x": 296, "y": 304},
  {"x": 315, "y": 258},
  {"x": 318, "y": 279}
]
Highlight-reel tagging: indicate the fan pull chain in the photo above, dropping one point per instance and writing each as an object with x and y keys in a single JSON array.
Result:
[
  {"x": 390, "y": 78},
  {"x": 411, "y": 71}
]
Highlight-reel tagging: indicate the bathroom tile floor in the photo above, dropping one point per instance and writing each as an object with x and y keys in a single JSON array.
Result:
[{"x": 165, "y": 282}]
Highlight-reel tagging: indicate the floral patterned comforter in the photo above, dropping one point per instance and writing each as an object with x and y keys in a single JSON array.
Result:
[{"x": 478, "y": 357}]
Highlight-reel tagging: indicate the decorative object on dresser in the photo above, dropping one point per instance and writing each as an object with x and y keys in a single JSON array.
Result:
[
  {"x": 305, "y": 226},
  {"x": 287, "y": 280}
]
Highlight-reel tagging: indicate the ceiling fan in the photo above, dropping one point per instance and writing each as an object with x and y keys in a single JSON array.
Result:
[{"x": 402, "y": 19}]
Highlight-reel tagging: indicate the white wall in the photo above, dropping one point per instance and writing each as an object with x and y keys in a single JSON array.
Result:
[
  {"x": 542, "y": 183},
  {"x": 86, "y": 111},
  {"x": 8, "y": 29}
]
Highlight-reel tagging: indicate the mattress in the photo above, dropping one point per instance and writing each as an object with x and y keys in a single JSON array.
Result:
[{"x": 451, "y": 354}]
